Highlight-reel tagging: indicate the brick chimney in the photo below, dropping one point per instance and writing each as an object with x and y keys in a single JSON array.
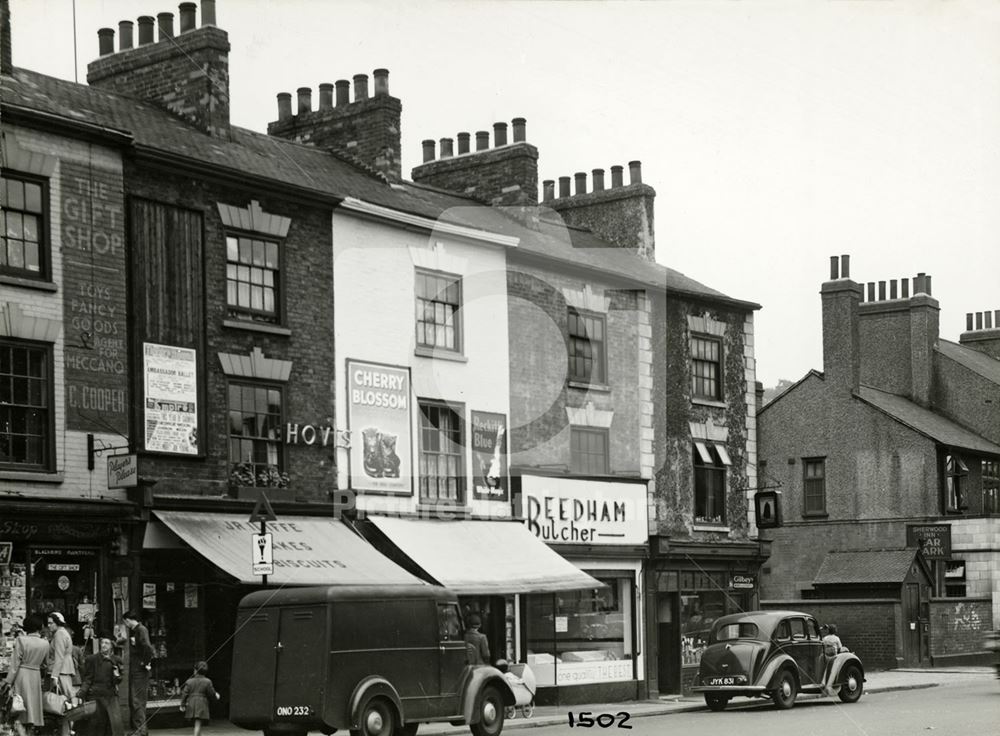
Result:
[
  {"x": 368, "y": 128},
  {"x": 899, "y": 331},
  {"x": 186, "y": 73},
  {"x": 504, "y": 175},
  {"x": 6, "y": 59},
  {"x": 841, "y": 351},
  {"x": 621, "y": 214},
  {"x": 982, "y": 333}
]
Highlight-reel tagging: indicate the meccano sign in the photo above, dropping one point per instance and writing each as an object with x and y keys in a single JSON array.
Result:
[
  {"x": 934, "y": 540},
  {"x": 379, "y": 417},
  {"x": 571, "y": 511}
]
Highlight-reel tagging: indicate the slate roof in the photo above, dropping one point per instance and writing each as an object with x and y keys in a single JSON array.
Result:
[
  {"x": 938, "y": 428},
  {"x": 869, "y": 566},
  {"x": 259, "y": 155},
  {"x": 975, "y": 361}
]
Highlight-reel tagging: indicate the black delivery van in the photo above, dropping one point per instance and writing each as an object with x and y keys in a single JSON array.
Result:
[{"x": 377, "y": 660}]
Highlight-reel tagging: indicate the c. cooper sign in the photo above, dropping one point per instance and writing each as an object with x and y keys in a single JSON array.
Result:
[{"x": 597, "y": 512}]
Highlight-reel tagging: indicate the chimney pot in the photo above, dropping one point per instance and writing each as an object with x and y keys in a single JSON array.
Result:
[
  {"x": 208, "y": 12},
  {"x": 904, "y": 288},
  {"x": 325, "y": 96},
  {"x": 381, "y": 82},
  {"x": 187, "y": 12},
  {"x": 360, "y": 87},
  {"x": 519, "y": 125},
  {"x": 446, "y": 148},
  {"x": 146, "y": 25},
  {"x": 871, "y": 291},
  {"x": 834, "y": 268},
  {"x": 563, "y": 186},
  {"x": 106, "y": 41},
  {"x": 968, "y": 321},
  {"x": 499, "y": 134},
  {"x": 979, "y": 320},
  {"x": 927, "y": 285},
  {"x": 165, "y": 22},
  {"x": 616, "y": 176},
  {"x": 581, "y": 182},
  {"x": 598, "y": 175},
  {"x": 996, "y": 317},
  {"x": 305, "y": 100},
  {"x": 893, "y": 292},
  {"x": 284, "y": 105},
  {"x": 548, "y": 190},
  {"x": 482, "y": 140},
  {"x": 124, "y": 35},
  {"x": 428, "y": 145},
  {"x": 463, "y": 143},
  {"x": 845, "y": 267},
  {"x": 343, "y": 92},
  {"x": 988, "y": 320},
  {"x": 918, "y": 283},
  {"x": 635, "y": 172},
  {"x": 881, "y": 291}
]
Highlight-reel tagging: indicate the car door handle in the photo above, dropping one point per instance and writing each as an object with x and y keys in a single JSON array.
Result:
[{"x": 279, "y": 646}]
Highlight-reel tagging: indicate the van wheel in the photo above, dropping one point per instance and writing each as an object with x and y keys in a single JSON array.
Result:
[
  {"x": 377, "y": 719},
  {"x": 491, "y": 714}
]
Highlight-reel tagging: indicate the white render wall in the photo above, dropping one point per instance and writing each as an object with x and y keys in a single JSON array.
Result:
[{"x": 374, "y": 303}]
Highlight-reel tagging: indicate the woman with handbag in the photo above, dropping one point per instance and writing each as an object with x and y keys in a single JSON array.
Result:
[
  {"x": 62, "y": 667},
  {"x": 25, "y": 679}
]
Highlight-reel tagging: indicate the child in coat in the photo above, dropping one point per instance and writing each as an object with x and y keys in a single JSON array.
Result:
[{"x": 195, "y": 696}]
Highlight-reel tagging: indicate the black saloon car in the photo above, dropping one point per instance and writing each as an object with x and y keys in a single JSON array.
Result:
[{"x": 776, "y": 655}]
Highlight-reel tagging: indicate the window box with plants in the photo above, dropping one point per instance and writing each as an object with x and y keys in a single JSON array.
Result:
[{"x": 247, "y": 480}]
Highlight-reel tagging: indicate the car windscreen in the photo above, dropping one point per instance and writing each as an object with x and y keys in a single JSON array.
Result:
[{"x": 739, "y": 630}]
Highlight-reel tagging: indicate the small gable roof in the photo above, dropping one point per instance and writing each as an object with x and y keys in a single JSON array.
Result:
[
  {"x": 926, "y": 422},
  {"x": 974, "y": 360},
  {"x": 879, "y": 566}
]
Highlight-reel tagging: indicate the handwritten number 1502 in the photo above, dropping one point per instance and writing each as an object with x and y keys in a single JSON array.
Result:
[{"x": 585, "y": 719}]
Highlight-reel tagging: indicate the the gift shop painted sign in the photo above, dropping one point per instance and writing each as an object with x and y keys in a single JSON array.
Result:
[
  {"x": 489, "y": 455},
  {"x": 171, "y": 399},
  {"x": 378, "y": 415},
  {"x": 96, "y": 360},
  {"x": 570, "y": 511}
]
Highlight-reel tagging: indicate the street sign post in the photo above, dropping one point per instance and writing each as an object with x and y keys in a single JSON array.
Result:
[{"x": 261, "y": 551}]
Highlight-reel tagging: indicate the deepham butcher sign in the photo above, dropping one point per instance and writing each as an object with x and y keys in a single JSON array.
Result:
[{"x": 569, "y": 511}]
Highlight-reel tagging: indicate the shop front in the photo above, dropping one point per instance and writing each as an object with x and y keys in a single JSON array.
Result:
[
  {"x": 586, "y": 645},
  {"x": 692, "y": 584},
  {"x": 190, "y": 607},
  {"x": 67, "y": 557}
]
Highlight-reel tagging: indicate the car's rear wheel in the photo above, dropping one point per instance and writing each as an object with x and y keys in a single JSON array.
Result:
[
  {"x": 853, "y": 684},
  {"x": 716, "y": 702},
  {"x": 378, "y": 718},
  {"x": 786, "y": 691},
  {"x": 491, "y": 713}
]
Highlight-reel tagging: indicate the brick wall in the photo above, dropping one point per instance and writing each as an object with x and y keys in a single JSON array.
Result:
[
  {"x": 309, "y": 397},
  {"x": 958, "y": 626},
  {"x": 866, "y": 627},
  {"x": 623, "y": 216}
]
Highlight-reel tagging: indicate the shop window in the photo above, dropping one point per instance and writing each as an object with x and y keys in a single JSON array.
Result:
[
  {"x": 442, "y": 450},
  {"x": 255, "y": 439},
  {"x": 23, "y": 221},
  {"x": 704, "y": 598},
  {"x": 955, "y": 477},
  {"x": 954, "y": 579},
  {"x": 814, "y": 486},
  {"x": 577, "y": 637},
  {"x": 26, "y": 431},
  {"x": 706, "y": 368},
  {"x": 991, "y": 486},
  {"x": 439, "y": 301},
  {"x": 710, "y": 463},
  {"x": 586, "y": 348},
  {"x": 588, "y": 451},
  {"x": 253, "y": 279}
]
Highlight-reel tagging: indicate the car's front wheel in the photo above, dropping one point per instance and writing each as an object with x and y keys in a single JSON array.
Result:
[
  {"x": 716, "y": 702},
  {"x": 786, "y": 691},
  {"x": 377, "y": 719},
  {"x": 853, "y": 684},
  {"x": 491, "y": 714}
]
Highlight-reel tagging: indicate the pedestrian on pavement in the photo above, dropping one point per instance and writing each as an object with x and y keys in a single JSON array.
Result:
[
  {"x": 62, "y": 666},
  {"x": 140, "y": 658},
  {"x": 196, "y": 695},
  {"x": 101, "y": 674},
  {"x": 25, "y": 678},
  {"x": 476, "y": 645}
]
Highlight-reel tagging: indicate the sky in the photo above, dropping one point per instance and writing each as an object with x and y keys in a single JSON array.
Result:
[{"x": 775, "y": 134}]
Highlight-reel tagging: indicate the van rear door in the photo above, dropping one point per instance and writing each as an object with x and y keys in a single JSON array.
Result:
[
  {"x": 300, "y": 663},
  {"x": 252, "y": 691}
]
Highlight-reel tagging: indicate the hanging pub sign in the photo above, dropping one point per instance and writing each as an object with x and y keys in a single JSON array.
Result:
[
  {"x": 489, "y": 456},
  {"x": 934, "y": 540},
  {"x": 378, "y": 416},
  {"x": 171, "y": 399}
]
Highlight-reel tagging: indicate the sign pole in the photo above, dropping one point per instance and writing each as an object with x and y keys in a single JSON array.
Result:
[
  {"x": 263, "y": 531},
  {"x": 262, "y": 513}
]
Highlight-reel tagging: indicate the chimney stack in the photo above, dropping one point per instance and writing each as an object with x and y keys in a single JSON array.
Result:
[
  {"x": 841, "y": 334},
  {"x": 6, "y": 56},
  {"x": 982, "y": 333},
  {"x": 367, "y": 129},
  {"x": 187, "y": 75}
]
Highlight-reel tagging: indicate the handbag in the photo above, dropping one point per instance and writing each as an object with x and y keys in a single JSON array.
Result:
[
  {"x": 82, "y": 711},
  {"x": 16, "y": 705},
  {"x": 53, "y": 703}
]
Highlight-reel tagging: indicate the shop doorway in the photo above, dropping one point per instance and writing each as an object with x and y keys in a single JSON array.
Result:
[
  {"x": 668, "y": 643},
  {"x": 66, "y": 580},
  {"x": 916, "y": 626}
]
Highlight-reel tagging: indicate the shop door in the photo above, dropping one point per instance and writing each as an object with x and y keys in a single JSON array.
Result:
[
  {"x": 668, "y": 643},
  {"x": 65, "y": 580},
  {"x": 911, "y": 625},
  {"x": 300, "y": 655}
]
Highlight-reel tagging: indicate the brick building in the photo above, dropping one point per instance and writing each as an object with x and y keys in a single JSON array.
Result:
[{"x": 918, "y": 467}]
